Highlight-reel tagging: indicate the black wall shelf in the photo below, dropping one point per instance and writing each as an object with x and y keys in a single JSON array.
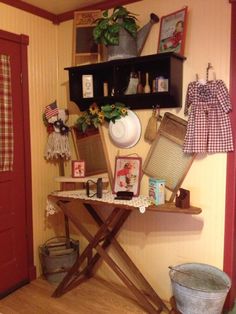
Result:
[{"x": 116, "y": 74}]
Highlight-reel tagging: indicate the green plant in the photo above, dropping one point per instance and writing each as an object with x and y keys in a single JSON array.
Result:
[
  {"x": 108, "y": 27},
  {"x": 95, "y": 115}
]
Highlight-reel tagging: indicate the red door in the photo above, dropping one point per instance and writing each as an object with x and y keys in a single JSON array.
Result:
[{"x": 14, "y": 241}]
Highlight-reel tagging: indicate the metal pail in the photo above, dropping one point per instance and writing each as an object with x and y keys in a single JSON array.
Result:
[
  {"x": 57, "y": 256},
  {"x": 199, "y": 288}
]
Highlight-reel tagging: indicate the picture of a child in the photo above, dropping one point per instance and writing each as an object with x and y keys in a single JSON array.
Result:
[
  {"x": 173, "y": 43},
  {"x": 124, "y": 175},
  {"x": 79, "y": 170},
  {"x": 127, "y": 175}
]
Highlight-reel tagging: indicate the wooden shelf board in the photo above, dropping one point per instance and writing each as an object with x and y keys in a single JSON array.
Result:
[
  {"x": 84, "y": 179},
  {"x": 171, "y": 208}
]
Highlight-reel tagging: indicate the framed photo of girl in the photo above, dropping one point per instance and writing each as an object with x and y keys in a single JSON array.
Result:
[
  {"x": 78, "y": 168},
  {"x": 173, "y": 32},
  {"x": 127, "y": 174}
]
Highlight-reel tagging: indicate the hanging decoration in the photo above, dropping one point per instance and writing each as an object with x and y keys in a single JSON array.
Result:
[
  {"x": 95, "y": 115},
  {"x": 209, "y": 127},
  {"x": 151, "y": 129},
  {"x": 58, "y": 142}
]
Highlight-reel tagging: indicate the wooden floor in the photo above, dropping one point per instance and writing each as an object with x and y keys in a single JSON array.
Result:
[{"x": 92, "y": 297}]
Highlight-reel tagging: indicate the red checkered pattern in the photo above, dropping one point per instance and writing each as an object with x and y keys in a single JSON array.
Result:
[
  {"x": 6, "y": 116},
  {"x": 209, "y": 126}
]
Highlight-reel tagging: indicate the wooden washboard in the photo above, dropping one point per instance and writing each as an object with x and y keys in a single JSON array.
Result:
[
  {"x": 166, "y": 159},
  {"x": 92, "y": 149}
]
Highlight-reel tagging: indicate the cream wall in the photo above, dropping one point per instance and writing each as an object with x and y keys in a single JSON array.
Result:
[
  {"x": 153, "y": 240},
  {"x": 157, "y": 240}
]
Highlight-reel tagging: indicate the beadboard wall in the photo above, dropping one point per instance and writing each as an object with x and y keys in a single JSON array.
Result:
[
  {"x": 153, "y": 240},
  {"x": 157, "y": 240}
]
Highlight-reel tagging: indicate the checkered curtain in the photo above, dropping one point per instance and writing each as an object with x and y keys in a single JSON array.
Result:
[{"x": 6, "y": 115}]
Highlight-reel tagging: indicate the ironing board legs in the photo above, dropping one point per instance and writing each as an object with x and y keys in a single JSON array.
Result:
[{"x": 104, "y": 237}]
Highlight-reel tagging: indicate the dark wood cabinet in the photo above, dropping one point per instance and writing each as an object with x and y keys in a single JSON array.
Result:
[{"x": 116, "y": 75}]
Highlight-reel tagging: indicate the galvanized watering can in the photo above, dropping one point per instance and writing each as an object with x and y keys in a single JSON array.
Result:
[{"x": 130, "y": 47}]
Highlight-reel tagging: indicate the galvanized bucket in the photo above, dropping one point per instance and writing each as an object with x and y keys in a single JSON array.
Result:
[
  {"x": 199, "y": 288},
  {"x": 57, "y": 256}
]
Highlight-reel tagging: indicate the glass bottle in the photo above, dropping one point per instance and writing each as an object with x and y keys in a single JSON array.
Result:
[
  {"x": 147, "y": 88},
  {"x": 140, "y": 86}
]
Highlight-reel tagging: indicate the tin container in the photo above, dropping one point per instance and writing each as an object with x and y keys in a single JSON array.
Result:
[{"x": 157, "y": 191}]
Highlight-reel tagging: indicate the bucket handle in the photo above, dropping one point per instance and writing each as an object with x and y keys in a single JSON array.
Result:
[
  {"x": 59, "y": 237},
  {"x": 67, "y": 240}
]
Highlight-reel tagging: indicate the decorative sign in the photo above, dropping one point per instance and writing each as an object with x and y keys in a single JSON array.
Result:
[
  {"x": 83, "y": 18},
  {"x": 173, "y": 32},
  {"x": 127, "y": 174}
]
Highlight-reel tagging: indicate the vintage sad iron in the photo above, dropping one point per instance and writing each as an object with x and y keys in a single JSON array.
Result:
[
  {"x": 124, "y": 195},
  {"x": 98, "y": 184}
]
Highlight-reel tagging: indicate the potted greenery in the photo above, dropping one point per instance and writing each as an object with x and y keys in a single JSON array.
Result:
[
  {"x": 108, "y": 27},
  {"x": 119, "y": 32}
]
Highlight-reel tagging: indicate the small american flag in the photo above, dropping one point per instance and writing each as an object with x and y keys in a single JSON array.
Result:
[{"x": 51, "y": 110}]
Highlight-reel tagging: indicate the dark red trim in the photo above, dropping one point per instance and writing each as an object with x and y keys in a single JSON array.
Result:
[
  {"x": 26, "y": 117},
  {"x": 230, "y": 215},
  {"x": 23, "y": 41},
  {"x": 31, "y": 9},
  {"x": 12, "y": 37},
  {"x": 56, "y": 19}
]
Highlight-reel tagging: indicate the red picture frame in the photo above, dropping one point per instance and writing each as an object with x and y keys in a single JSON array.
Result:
[
  {"x": 127, "y": 174},
  {"x": 173, "y": 32},
  {"x": 78, "y": 168}
]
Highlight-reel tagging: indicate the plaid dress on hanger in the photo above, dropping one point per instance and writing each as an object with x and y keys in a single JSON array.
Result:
[{"x": 209, "y": 127}]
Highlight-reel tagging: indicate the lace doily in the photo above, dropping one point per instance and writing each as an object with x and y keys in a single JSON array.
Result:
[{"x": 141, "y": 202}]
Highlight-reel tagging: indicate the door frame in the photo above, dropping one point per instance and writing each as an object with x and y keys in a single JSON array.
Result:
[
  {"x": 230, "y": 204},
  {"x": 23, "y": 41}
]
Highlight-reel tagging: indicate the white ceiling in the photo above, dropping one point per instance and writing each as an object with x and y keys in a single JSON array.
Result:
[{"x": 61, "y": 6}]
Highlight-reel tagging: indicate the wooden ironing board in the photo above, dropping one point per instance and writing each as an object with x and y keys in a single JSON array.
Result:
[{"x": 105, "y": 236}]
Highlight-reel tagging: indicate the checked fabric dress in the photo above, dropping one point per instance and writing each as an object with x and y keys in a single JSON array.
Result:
[{"x": 209, "y": 126}]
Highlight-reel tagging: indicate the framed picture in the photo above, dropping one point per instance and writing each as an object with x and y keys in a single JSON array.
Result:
[
  {"x": 78, "y": 168},
  {"x": 127, "y": 174},
  {"x": 173, "y": 32},
  {"x": 87, "y": 85}
]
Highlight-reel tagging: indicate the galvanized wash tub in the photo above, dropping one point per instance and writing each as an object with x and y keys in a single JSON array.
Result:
[
  {"x": 57, "y": 256},
  {"x": 199, "y": 288}
]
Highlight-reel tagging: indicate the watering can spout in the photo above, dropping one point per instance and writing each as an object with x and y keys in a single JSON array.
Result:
[{"x": 144, "y": 31}]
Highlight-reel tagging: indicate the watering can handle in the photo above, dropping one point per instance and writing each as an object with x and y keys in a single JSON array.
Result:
[{"x": 154, "y": 18}]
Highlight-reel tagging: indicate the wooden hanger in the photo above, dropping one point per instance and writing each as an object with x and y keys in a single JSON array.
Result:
[{"x": 209, "y": 66}]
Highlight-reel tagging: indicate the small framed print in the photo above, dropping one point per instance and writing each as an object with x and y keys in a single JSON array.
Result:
[
  {"x": 173, "y": 32},
  {"x": 87, "y": 85},
  {"x": 162, "y": 85},
  {"x": 78, "y": 168},
  {"x": 127, "y": 174}
]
